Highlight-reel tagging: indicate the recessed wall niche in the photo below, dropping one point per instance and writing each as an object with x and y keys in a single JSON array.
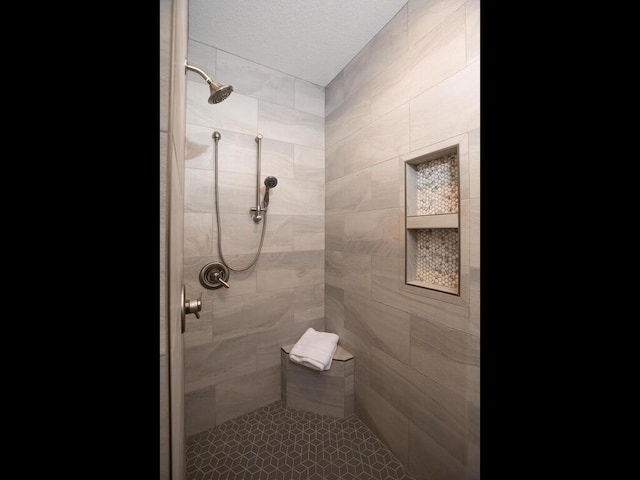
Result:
[{"x": 432, "y": 206}]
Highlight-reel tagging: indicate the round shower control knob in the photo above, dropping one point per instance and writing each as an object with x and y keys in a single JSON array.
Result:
[{"x": 214, "y": 275}]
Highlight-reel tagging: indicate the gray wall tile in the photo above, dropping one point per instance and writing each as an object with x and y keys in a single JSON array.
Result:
[
  {"x": 426, "y": 403},
  {"x": 387, "y": 183},
  {"x": 391, "y": 426},
  {"x": 428, "y": 460},
  {"x": 382, "y": 326},
  {"x": 308, "y": 164},
  {"x": 201, "y": 56},
  {"x": 450, "y": 108},
  {"x": 309, "y": 97},
  {"x": 290, "y": 125},
  {"x": 199, "y": 411},
  {"x": 254, "y": 80},
  {"x": 334, "y": 162},
  {"x": 375, "y": 232},
  {"x": 308, "y": 232},
  {"x": 383, "y": 139},
  {"x": 245, "y": 393},
  {"x": 238, "y": 113},
  {"x": 473, "y": 30},
  {"x": 443, "y": 353}
]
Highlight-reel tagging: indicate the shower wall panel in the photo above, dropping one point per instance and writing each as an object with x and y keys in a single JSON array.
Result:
[
  {"x": 233, "y": 351},
  {"x": 414, "y": 87}
]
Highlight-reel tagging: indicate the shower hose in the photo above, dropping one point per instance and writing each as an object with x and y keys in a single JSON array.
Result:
[{"x": 264, "y": 223}]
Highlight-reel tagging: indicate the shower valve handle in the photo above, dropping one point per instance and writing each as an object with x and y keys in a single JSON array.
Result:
[
  {"x": 193, "y": 306},
  {"x": 218, "y": 278}
]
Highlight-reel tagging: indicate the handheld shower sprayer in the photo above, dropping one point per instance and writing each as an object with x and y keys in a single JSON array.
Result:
[{"x": 269, "y": 182}]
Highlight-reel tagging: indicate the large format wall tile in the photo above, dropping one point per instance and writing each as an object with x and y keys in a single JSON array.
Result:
[
  {"x": 333, "y": 308},
  {"x": 308, "y": 232},
  {"x": 473, "y": 441},
  {"x": 443, "y": 353},
  {"x": 334, "y": 162},
  {"x": 199, "y": 331},
  {"x": 474, "y": 232},
  {"x": 426, "y": 15},
  {"x": 474, "y": 302},
  {"x": 246, "y": 393},
  {"x": 242, "y": 283},
  {"x": 450, "y": 108},
  {"x": 384, "y": 327},
  {"x": 375, "y": 232},
  {"x": 308, "y": 164},
  {"x": 296, "y": 197},
  {"x": 198, "y": 234},
  {"x": 387, "y": 279},
  {"x": 210, "y": 364},
  {"x": 350, "y": 193},
  {"x": 238, "y": 113},
  {"x": 290, "y": 125},
  {"x": 383, "y": 139},
  {"x": 349, "y": 271},
  {"x": 334, "y": 94},
  {"x": 388, "y": 44},
  {"x": 254, "y": 80},
  {"x": 199, "y": 410},
  {"x": 473, "y": 30},
  {"x": 198, "y": 191},
  {"x": 309, "y": 97},
  {"x": 235, "y": 345},
  {"x": 438, "y": 55},
  {"x": 334, "y": 231},
  {"x": 426, "y": 403},
  {"x": 388, "y": 423},
  {"x": 429, "y": 460},
  {"x": 269, "y": 342},
  {"x": 387, "y": 183},
  {"x": 277, "y": 160},
  {"x": 352, "y": 115},
  {"x": 237, "y": 317},
  {"x": 474, "y": 163},
  {"x": 308, "y": 303},
  {"x": 201, "y": 56},
  {"x": 241, "y": 235},
  {"x": 289, "y": 270}
]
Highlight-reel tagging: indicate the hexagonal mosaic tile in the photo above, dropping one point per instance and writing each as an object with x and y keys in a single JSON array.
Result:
[
  {"x": 438, "y": 256},
  {"x": 276, "y": 443},
  {"x": 437, "y": 186}
]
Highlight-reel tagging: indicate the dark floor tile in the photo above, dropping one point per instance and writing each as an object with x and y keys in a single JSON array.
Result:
[{"x": 275, "y": 443}]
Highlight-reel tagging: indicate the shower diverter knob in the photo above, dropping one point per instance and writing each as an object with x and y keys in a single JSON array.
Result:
[{"x": 214, "y": 275}]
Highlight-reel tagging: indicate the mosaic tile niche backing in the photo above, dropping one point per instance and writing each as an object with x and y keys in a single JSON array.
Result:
[
  {"x": 438, "y": 256},
  {"x": 437, "y": 186}
]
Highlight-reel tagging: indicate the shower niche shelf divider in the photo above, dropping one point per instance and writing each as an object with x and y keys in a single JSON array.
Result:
[{"x": 432, "y": 222}]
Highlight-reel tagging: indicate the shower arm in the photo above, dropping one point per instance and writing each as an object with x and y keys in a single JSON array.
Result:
[{"x": 197, "y": 70}]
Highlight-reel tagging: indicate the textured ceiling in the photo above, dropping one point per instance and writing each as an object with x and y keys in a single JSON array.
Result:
[{"x": 309, "y": 39}]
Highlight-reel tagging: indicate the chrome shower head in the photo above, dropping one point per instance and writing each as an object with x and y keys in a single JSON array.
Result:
[{"x": 218, "y": 91}]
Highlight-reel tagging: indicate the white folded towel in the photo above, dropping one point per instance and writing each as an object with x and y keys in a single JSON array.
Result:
[{"x": 315, "y": 349}]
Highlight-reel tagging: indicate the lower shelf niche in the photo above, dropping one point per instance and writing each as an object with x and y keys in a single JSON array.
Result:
[{"x": 435, "y": 261}]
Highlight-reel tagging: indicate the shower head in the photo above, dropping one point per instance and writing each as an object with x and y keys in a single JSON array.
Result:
[
  {"x": 218, "y": 91},
  {"x": 269, "y": 182}
]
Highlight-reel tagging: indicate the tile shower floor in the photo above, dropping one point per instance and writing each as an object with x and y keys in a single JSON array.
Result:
[{"x": 274, "y": 442}]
